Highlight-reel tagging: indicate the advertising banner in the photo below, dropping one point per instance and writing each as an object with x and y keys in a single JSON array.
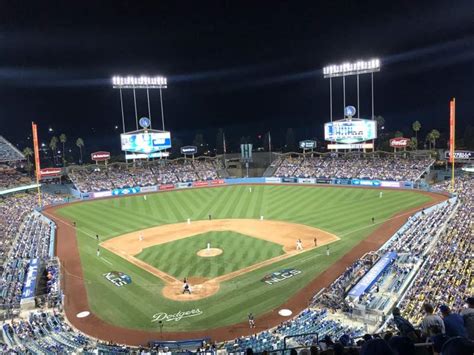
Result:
[
  {"x": 145, "y": 142},
  {"x": 100, "y": 156},
  {"x": 289, "y": 180},
  {"x": 307, "y": 144},
  {"x": 184, "y": 185},
  {"x": 342, "y": 181},
  {"x": 200, "y": 183},
  {"x": 323, "y": 181},
  {"x": 460, "y": 155},
  {"x": 189, "y": 150},
  {"x": 149, "y": 188},
  {"x": 364, "y": 182},
  {"x": 98, "y": 194},
  {"x": 50, "y": 172},
  {"x": 372, "y": 275},
  {"x": 390, "y": 183},
  {"x": 126, "y": 191},
  {"x": 217, "y": 182},
  {"x": 166, "y": 187},
  {"x": 306, "y": 181},
  {"x": 350, "y": 131},
  {"x": 147, "y": 156},
  {"x": 273, "y": 180},
  {"x": 399, "y": 142},
  {"x": 29, "y": 286},
  {"x": 351, "y": 146}
]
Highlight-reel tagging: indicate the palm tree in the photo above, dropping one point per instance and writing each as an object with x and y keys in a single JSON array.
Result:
[
  {"x": 398, "y": 134},
  {"x": 413, "y": 143},
  {"x": 434, "y": 136},
  {"x": 53, "y": 145},
  {"x": 28, "y": 152},
  {"x": 63, "y": 139},
  {"x": 80, "y": 144},
  {"x": 416, "y": 126}
]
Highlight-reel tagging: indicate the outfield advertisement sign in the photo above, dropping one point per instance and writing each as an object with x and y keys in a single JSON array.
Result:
[
  {"x": 200, "y": 183},
  {"x": 390, "y": 184},
  {"x": 167, "y": 187},
  {"x": 175, "y": 317},
  {"x": 364, "y": 182},
  {"x": 118, "y": 278},
  {"x": 217, "y": 182},
  {"x": 306, "y": 181},
  {"x": 273, "y": 180},
  {"x": 184, "y": 185},
  {"x": 126, "y": 191},
  {"x": 148, "y": 188},
  {"x": 99, "y": 194},
  {"x": 279, "y": 276},
  {"x": 342, "y": 181},
  {"x": 323, "y": 181},
  {"x": 289, "y": 180}
]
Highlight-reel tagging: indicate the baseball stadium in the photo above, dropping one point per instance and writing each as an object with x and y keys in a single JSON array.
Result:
[{"x": 350, "y": 238}]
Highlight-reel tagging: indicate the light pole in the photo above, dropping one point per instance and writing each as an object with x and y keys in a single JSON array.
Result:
[{"x": 137, "y": 83}]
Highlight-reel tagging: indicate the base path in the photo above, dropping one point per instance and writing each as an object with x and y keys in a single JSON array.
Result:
[
  {"x": 75, "y": 299},
  {"x": 129, "y": 245}
]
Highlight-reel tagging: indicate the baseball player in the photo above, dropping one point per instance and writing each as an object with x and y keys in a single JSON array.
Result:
[
  {"x": 251, "y": 320},
  {"x": 98, "y": 252},
  {"x": 315, "y": 241},
  {"x": 186, "y": 288},
  {"x": 140, "y": 237},
  {"x": 299, "y": 245}
]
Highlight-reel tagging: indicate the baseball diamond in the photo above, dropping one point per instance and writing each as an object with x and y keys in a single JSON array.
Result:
[{"x": 151, "y": 241}]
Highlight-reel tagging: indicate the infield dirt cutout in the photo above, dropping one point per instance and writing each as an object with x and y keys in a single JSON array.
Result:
[{"x": 286, "y": 234}]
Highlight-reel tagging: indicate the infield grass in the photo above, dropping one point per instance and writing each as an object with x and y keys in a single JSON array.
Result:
[
  {"x": 346, "y": 212},
  {"x": 179, "y": 258}
]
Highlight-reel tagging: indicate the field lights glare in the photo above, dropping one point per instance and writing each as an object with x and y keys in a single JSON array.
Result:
[
  {"x": 354, "y": 68},
  {"x": 139, "y": 82}
]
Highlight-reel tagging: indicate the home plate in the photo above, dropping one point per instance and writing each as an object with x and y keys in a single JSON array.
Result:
[
  {"x": 285, "y": 312},
  {"x": 83, "y": 314}
]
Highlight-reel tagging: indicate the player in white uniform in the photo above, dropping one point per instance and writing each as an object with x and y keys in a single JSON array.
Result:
[{"x": 299, "y": 245}]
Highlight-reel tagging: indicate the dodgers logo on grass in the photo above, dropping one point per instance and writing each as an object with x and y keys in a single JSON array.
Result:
[
  {"x": 165, "y": 317},
  {"x": 281, "y": 275},
  {"x": 118, "y": 278}
]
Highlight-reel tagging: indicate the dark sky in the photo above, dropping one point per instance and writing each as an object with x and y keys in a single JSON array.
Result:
[{"x": 246, "y": 66}]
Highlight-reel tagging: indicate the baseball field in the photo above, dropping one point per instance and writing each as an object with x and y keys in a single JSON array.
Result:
[{"x": 238, "y": 250}]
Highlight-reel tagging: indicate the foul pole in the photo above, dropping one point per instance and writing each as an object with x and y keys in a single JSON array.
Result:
[
  {"x": 37, "y": 160},
  {"x": 452, "y": 137}
]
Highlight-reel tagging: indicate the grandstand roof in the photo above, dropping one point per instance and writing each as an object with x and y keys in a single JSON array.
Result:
[{"x": 8, "y": 152}]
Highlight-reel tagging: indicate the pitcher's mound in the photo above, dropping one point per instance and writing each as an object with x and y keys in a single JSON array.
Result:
[{"x": 207, "y": 253}]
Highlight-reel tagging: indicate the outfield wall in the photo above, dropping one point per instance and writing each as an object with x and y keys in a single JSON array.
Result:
[{"x": 252, "y": 180}]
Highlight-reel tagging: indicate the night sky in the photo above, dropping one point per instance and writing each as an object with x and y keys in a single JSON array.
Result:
[{"x": 246, "y": 66}]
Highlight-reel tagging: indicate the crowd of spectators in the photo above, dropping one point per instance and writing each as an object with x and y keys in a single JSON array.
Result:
[
  {"x": 352, "y": 166},
  {"x": 24, "y": 235},
  {"x": 8, "y": 152},
  {"x": 446, "y": 277},
  {"x": 11, "y": 177},
  {"x": 95, "y": 178}
]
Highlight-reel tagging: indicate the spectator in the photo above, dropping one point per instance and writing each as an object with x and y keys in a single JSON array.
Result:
[
  {"x": 468, "y": 317},
  {"x": 431, "y": 320},
  {"x": 405, "y": 328},
  {"x": 453, "y": 322}
]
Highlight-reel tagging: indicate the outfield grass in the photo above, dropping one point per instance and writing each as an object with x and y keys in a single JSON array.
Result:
[
  {"x": 179, "y": 258},
  {"x": 346, "y": 212}
]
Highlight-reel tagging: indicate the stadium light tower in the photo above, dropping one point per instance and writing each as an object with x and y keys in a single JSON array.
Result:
[
  {"x": 348, "y": 69},
  {"x": 140, "y": 82}
]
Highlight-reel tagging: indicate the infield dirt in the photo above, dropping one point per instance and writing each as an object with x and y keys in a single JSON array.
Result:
[{"x": 286, "y": 234}]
